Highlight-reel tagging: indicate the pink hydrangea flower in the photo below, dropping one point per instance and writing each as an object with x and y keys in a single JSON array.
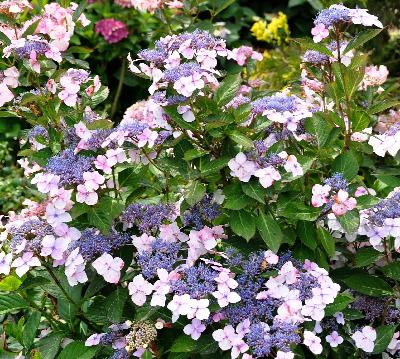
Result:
[
  {"x": 284, "y": 355},
  {"x": 161, "y": 288},
  {"x": 320, "y": 195},
  {"x": 84, "y": 195},
  {"x": 75, "y": 268},
  {"x": 199, "y": 309},
  {"x": 180, "y": 305},
  {"x": 5, "y": 94},
  {"x": 139, "y": 289},
  {"x": 5, "y": 263},
  {"x": 267, "y": 176},
  {"x": 194, "y": 329},
  {"x": 93, "y": 180},
  {"x": 56, "y": 216},
  {"x": 147, "y": 137},
  {"x": 104, "y": 164},
  {"x": 46, "y": 182},
  {"x": 24, "y": 263},
  {"x": 319, "y": 32},
  {"x": 365, "y": 339},
  {"x": 243, "y": 53},
  {"x": 241, "y": 167},
  {"x": 112, "y": 30},
  {"x": 312, "y": 342},
  {"x": 93, "y": 340},
  {"x": 108, "y": 267},
  {"x": 334, "y": 339},
  {"x": 343, "y": 203},
  {"x": 54, "y": 247}
]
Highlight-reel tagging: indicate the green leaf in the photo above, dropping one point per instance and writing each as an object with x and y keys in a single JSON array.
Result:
[
  {"x": 243, "y": 224},
  {"x": 382, "y": 106},
  {"x": 115, "y": 304},
  {"x": 147, "y": 355},
  {"x": 352, "y": 80},
  {"x": 327, "y": 241},
  {"x": 183, "y": 344},
  {"x": 103, "y": 214},
  {"x": 270, "y": 231},
  {"x": 392, "y": 270},
  {"x": 10, "y": 302},
  {"x": 4, "y": 40},
  {"x": 319, "y": 127},
  {"x": 366, "y": 256},
  {"x": 340, "y": 303},
  {"x": 214, "y": 166},
  {"x": 347, "y": 164},
  {"x": 241, "y": 139},
  {"x": 369, "y": 285},
  {"x": 384, "y": 335},
  {"x": 195, "y": 192},
  {"x": 307, "y": 234},
  {"x": 254, "y": 190},
  {"x": 30, "y": 328},
  {"x": 359, "y": 121},
  {"x": 50, "y": 344},
  {"x": 301, "y": 212},
  {"x": 237, "y": 203},
  {"x": 361, "y": 39},
  {"x": 100, "y": 96},
  {"x": 8, "y": 113},
  {"x": 311, "y": 45},
  {"x": 350, "y": 221},
  {"x": 193, "y": 153},
  {"x": 78, "y": 350},
  {"x": 10, "y": 283},
  {"x": 31, "y": 29},
  {"x": 227, "y": 89}
]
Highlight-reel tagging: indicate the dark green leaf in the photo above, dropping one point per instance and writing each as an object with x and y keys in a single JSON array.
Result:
[
  {"x": 227, "y": 89},
  {"x": 382, "y": 106},
  {"x": 361, "y": 39},
  {"x": 347, "y": 164},
  {"x": 311, "y": 45},
  {"x": 270, "y": 231},
  {"x": 100, "y": 96},
  {"x": 183, "y": 344},
  {"x": 237, "y": 203},
  {"x": 30, "y": 328},
  {"x": 115, "y": 304},
  {"x": 243, "y": 224},
  {"x": 369, "y": 285},
  {"x": 367, "y": 256},
  {"x": 254, "y": 190},
  {"x": 78, "y": 350},
  {"x": 350, "y": 221},
  {"x": 178, "y": 119},
  {"x": 195, "y": 192},
  {"x": 103, "y": 214},
  {"x": 359, "y": 120},
  {"x": 307, "y": 234},
  {"x": 340, "y": 303},
  {"x": 10, "y": 302},
  {"x": 327, "y": 241},
  {"x": 50, "y": 344},
  {"x": 392, "y": 270},
  {"x": 319, "y": 127},
  {"x": 241, "y": 139},
  {"x": 384, "y": 335},
  {"x": 301, "y": 212},
  {"x": 214, "y": 166}
]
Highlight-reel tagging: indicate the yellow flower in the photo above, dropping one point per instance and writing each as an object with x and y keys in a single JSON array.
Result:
[{"x": 276, "y": 32}]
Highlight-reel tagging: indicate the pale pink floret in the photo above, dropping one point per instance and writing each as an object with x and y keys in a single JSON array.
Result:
[
  {"x": 241, "y": 167},
  {"x": 334, "y": 339},
  {"x": 319, "y": 32},
  {"x": 24, "y": 263},
  {"x": 85, "y": 195},
  {"x": 365, "y": 339},
  {"x": 139, "y": 289},
  {"x": 312, "y": 342},
  {"x": 5, "y": 263},
  {"x": 109, "y": 267},
  {"x": 54, "y": 247},
  {"x": 194, "y": 329}
]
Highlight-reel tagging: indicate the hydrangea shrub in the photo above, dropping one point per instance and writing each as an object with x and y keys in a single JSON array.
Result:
[{"x": 214, "y": 219}]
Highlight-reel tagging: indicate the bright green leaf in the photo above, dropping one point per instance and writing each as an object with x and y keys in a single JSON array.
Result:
[{"x": 270, "y": 231}]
